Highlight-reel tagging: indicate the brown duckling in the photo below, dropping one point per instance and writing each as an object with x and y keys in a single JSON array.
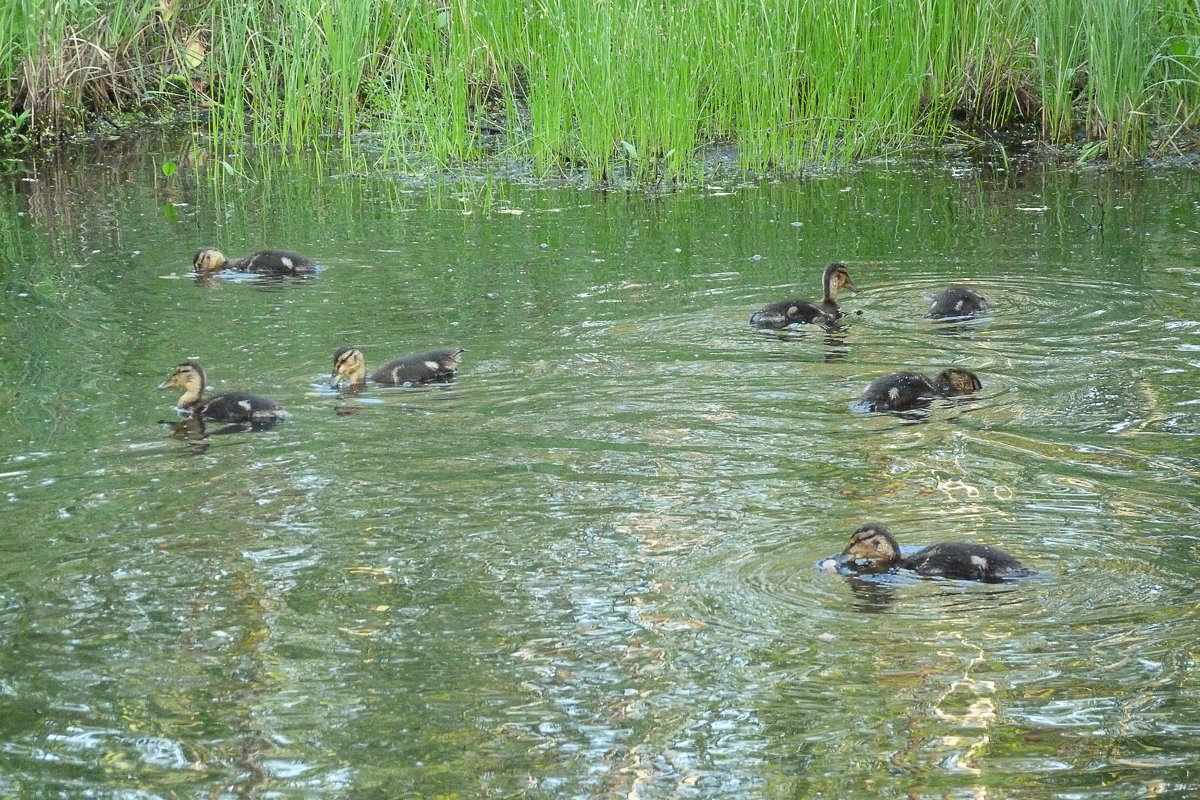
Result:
[
  {"x": 872, "y": 548},
  {"x": 957, "y": 301},
  {"x": 435, "y": 366},
  {"x": 788, "y": 313},
  {"x": 227, "y": 407},
  {"x": 264, "y": 262},
  {"x": 904, "y": 391}
]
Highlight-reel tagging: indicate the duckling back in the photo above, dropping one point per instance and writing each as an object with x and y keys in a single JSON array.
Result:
[
  {"x": 966, "y": 562},
  {"x": 785, "y": 314},
  {"x": 899, "y": 391},
  {"x": 957, "y": 301},
  {"x": 434, "y": 366},
  {"x": 275, "y": 262},
  {"x": 241, "y": 407}
]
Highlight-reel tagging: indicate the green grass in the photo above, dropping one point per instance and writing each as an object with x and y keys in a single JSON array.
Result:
[{"x": 615, "y": 87}]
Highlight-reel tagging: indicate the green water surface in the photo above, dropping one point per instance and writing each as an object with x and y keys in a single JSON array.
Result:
[{"x": 588, "y": 567}]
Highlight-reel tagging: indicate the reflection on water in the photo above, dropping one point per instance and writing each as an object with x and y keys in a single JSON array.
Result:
[{"x": 587, "y": 567}]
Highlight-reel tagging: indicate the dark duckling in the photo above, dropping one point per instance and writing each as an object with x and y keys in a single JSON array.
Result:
[
  {"x": 228, "y": 407},
  {"x": 435, "y": 366},
  {"x": 872, "y": 548},
  {"x": 904, "y": 391},
  {"x": 264, "y": 262},
  {"x": 793, "y": 312},
  {"x": 957, "y": 301}
]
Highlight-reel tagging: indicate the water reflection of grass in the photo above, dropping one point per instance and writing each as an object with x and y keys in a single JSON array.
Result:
[{"x": 624, "y": 86}]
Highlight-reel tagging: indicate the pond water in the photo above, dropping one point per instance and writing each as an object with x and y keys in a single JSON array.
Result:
[{"x": 588, "y": 568}]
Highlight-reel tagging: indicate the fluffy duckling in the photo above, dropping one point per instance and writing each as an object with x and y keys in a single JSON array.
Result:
[
  {"x": 228, "y": 407},
  {"x": 872, "y": 548},
  {"x": 793, "y": 312},
  {"x": 957, "y": 301},
  {"x": 435, "y": 366},
  {"x": 904, "y": 391},
  {"x": 264, "y": 262}
]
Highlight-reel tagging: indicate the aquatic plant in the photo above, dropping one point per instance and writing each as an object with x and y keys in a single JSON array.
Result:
[{"x": 626, "y": 86}]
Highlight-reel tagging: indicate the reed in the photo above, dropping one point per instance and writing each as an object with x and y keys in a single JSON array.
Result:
[
  {"x": 1058, "y": 55},
  {"x": 621, "y": 88},
  {"x": 1117, "y": 33},
  {"x": 63, "y": 61},
  {"x": 1175, "y": 71}
]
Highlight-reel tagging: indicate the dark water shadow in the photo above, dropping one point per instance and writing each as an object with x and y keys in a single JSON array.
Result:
[
  {"x": 195, "y": 429},
  {"x": 964, "y": 327},
  {"x": 832, "y": 335},
  {"x": 258, "y": 282}
]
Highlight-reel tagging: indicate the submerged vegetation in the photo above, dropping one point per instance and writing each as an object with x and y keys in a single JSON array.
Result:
[{"x": 595, "y": 84}]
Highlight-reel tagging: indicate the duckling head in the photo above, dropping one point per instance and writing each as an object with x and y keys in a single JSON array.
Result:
[
  {"x": 955, "y": 381},
  {"x": 836, "y": 278},
  {"x": 209, "y": 260},
  {"x": 189, "y": 377},
  {"x": 348, "y": 365},
  {"x": 872, "y": 547}
]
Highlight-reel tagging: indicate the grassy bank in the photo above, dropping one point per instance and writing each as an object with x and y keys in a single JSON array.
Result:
[{"x": 589, "y": 83}]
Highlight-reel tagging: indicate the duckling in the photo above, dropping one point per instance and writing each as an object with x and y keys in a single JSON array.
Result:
[
  {"x": 904, "y": 391},
  {"x": 228, "y": 407},
  {"x": 435, "y": 366},
  {"x": 872, "y": 548},
  {"x": 264, "y": 262},
  {"x": 793, "y": 312},
  {"x": 957, "y": 301}
]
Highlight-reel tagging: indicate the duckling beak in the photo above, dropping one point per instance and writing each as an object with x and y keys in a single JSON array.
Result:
[
  {"x": 165, "y": 384},
  {"x": 845, "y": 564},
  {"x": 850, "y": 285},
  {"x": 335, "y": 379}
]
